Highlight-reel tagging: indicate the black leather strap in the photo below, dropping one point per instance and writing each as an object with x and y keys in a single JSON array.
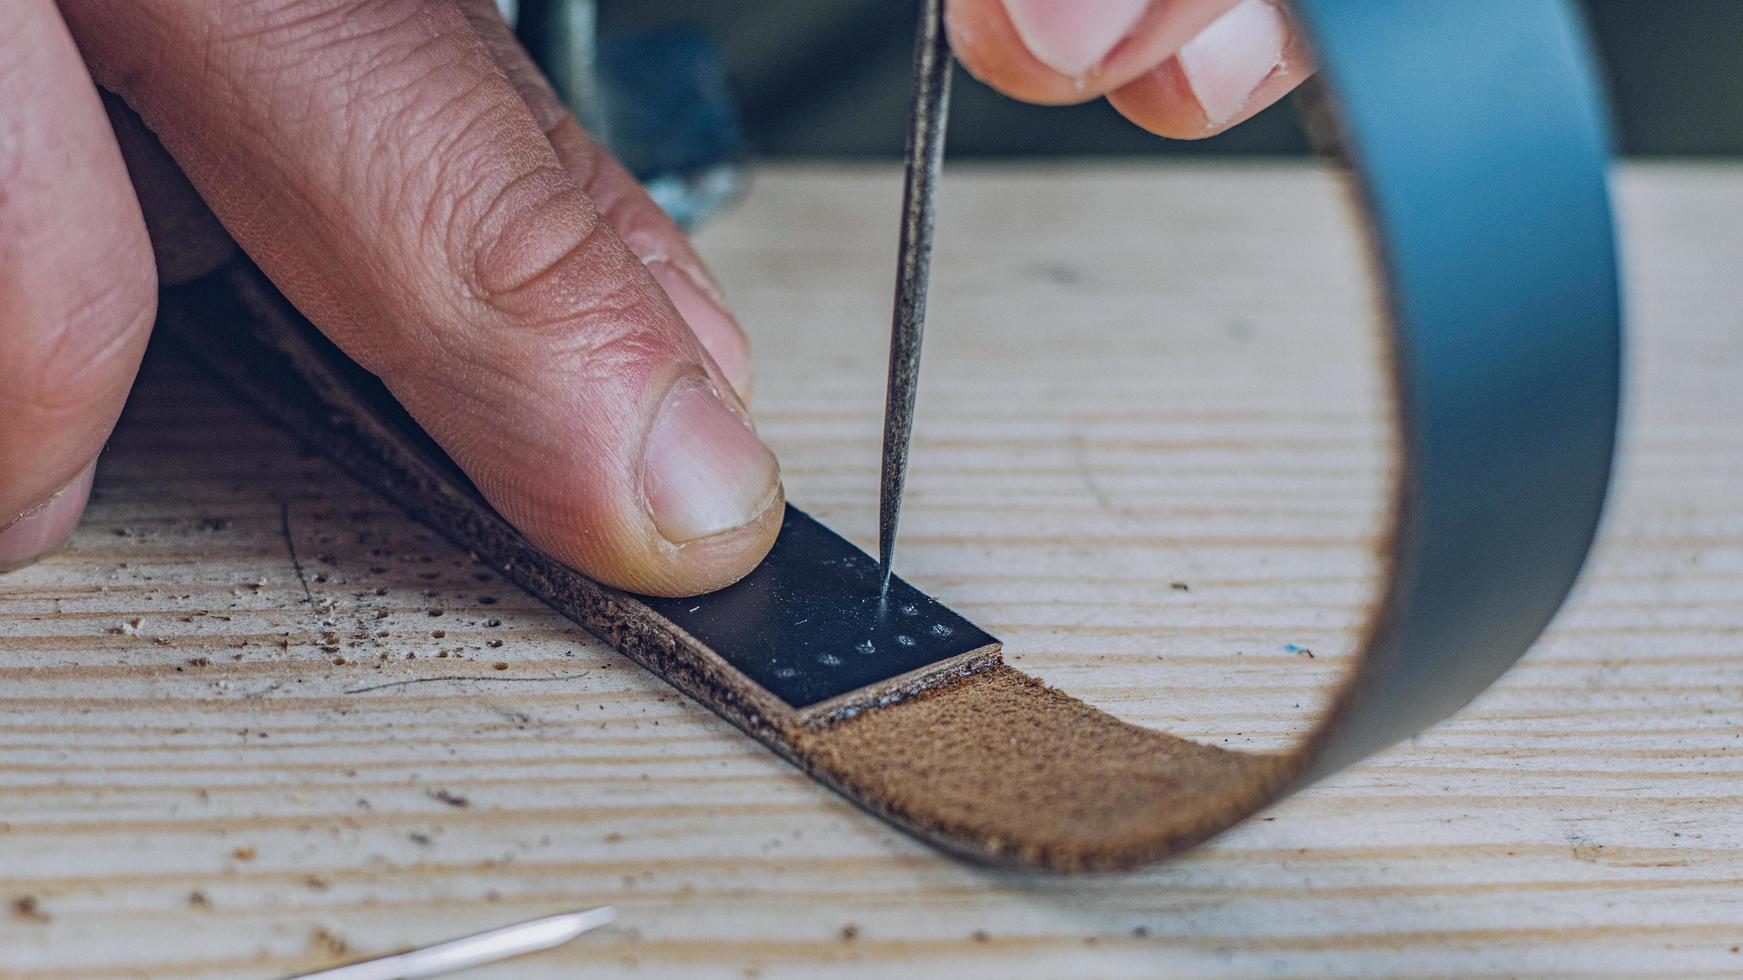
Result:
[
  {"x": 1478, "y": 136},
  {"x": 1480, "y": 149}
]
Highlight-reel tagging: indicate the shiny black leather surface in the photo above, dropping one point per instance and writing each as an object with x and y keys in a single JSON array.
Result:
[
  {"x": 1478, "y": 133},
  {"x": 809, "y": 623}
]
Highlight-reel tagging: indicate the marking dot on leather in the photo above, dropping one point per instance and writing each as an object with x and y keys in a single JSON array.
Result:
[{"x": 812, "y": 623}]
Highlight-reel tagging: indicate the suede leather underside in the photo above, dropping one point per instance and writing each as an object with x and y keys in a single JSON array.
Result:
[{"x": 1001, "y": 768}]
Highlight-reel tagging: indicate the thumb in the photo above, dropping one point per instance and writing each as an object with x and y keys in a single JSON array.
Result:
[{"x": 425, "y": 224}]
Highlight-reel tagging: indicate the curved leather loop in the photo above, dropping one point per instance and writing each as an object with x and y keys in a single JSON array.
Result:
[
  {"x": 1477, "y": 131},
  {"x": 1479, "y": 144}
]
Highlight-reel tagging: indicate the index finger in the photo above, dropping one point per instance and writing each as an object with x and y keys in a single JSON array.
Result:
[
  {"x": 1179, "y": 68},
  {"x": 1061, "y": 52}
]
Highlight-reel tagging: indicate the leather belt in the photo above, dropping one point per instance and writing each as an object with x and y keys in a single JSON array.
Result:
[{"x": 1479, "y": 144}]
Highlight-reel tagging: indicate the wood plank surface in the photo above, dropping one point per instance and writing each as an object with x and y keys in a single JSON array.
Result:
[{"x": 253, "y": 720}]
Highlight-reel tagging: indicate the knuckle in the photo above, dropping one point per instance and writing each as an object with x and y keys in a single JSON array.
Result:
[
  {"x": 610, "y": 336},
  {"x": 546, "y": 285},
  {"x": 525, "y": 232},
  {"x": 541, "y": 255}
]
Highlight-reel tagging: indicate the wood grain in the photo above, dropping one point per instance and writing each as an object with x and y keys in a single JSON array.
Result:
[{"x": 1149, "y": 457}]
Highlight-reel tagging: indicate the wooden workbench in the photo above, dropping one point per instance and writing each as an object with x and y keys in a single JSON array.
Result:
[{"x": 253, "y": 720}]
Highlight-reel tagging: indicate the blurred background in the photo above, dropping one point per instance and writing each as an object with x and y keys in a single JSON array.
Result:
[{"x": 830, "y": 80}]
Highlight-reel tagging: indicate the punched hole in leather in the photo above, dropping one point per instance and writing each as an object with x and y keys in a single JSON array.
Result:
[{"x": 1482, "y": 167}]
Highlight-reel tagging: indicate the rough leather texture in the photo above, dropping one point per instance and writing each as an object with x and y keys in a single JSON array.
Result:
[{"x": 1001, "y": 768}]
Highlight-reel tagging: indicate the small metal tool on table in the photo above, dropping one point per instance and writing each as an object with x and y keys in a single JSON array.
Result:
[
  {"x": 913, "y": 265},
  {"x": 474, "y": 950}
]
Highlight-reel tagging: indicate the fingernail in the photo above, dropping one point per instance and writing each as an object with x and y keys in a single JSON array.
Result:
[
  {"x": 704, "y": 469},
  {"x": 43, "y": 528},
  {"x": 711, "y": 325},
  {"x": 1073, "y": 37},
  {"x": 1228, "y": 60}
]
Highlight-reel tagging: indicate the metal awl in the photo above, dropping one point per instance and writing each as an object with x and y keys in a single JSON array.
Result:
[
  {"x": 914, "y": 261},
  {"x": 474, "y": 950}
]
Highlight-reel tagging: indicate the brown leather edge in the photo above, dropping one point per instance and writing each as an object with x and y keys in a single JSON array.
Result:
[{"x": 901, "y": 687}]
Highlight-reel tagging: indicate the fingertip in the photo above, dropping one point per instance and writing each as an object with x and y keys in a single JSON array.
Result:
[
  {"x": 1233, "y": 69},
  {"x": 687, "y": 503},
  {"x": 1072, "y": 38},
  {"x": 704, "y": 469},
  {"x": 647, "y": 564},
  {"x": 719, "y": 560},
  {"x": 43, "y": 528},
  {"x": 1062, "y": 52},
  {"x": 987, "y": 44},
  {"x": 713, "y": 491},
  {"x": 1162, "y": 102}
]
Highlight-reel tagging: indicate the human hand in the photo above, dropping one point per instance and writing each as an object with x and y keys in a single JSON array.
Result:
[
  {"x": 1180, "y": 68},
  {"x": 406, "y": 177},
  {"x": 404, "y": 174}
]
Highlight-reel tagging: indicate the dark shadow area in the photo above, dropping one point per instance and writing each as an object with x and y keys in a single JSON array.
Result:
[{"x": 831, "y": 80}]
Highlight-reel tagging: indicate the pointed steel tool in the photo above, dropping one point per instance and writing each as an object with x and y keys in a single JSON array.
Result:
[
  {"x": 914, "y": 262},
  {"x": 475, "y": 950}
]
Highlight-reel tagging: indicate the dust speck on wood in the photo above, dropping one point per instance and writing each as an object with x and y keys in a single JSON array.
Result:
[{"x": 449, "y": 797}]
